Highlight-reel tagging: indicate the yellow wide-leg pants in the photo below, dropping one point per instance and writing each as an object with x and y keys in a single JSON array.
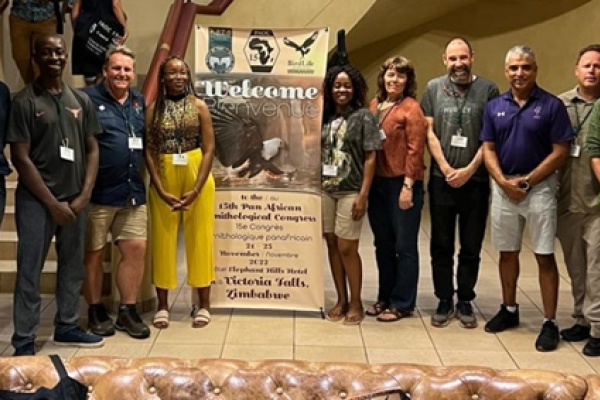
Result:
[{"x": 198, "y": 224}]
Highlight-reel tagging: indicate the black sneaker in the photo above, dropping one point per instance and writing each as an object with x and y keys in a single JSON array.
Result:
[
  {"x": 27, "y": 349},
  {"x": 503, "y": 320},
  {"x": 592, "y": 347},
  {"x": 79, "y": 338},
  {"x": 129, "y": 321},
  {"x": 466, "y": 316},
  {"x": 99, "y": 322},
  {"x": 443, "y": 314},
  {"x": 576, "y": 333},
  {"x": 548, "y": 338}
]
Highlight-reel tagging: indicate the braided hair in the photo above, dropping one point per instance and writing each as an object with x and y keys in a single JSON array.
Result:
[
  {"x": 154, "y": 139},
  {"x": 359, "y": 89}
]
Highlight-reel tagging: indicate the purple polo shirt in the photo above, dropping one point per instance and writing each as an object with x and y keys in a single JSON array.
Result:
[{"x": 524, "y": 135}]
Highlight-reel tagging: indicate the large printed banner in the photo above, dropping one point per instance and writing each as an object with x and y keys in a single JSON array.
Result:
[{"x": 263, "y": 89}]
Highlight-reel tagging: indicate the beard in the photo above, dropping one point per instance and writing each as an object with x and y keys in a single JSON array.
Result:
[{"x": 462, "y": 75}]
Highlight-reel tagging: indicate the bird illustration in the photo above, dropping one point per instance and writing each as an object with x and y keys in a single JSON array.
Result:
[
  {"x": 305, "y": 47},
  {"x": 263, "y": 48},
  {"x": 239, "y": 142}
]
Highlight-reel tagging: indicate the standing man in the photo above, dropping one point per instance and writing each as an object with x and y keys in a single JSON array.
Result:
[
  {"x": 459, "y": 183},
  {"x": 578, "y": 205},
  {"x": 527, "y": 135},
  {"x": 51, "y": 132},
  {"x": 119, "y": 196},
  {"x": 4, "y": 168}
]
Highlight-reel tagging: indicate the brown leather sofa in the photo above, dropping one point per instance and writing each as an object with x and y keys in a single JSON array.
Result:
[{"x": 110, "y": 378}]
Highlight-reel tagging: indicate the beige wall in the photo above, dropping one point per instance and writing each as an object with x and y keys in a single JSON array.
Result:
[
  {"x": 555, "y": 29},
  {"x": 147, "y": 17}
]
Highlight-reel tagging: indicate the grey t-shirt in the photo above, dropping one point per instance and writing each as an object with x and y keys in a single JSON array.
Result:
[
  {"x": 440, "y": 103},
  {"x": 48, "y": 122},
  {"x": 345, "y": 140}
]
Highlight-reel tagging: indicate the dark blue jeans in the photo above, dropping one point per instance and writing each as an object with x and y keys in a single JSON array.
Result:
[
  {"x": 470, "y": 204},
  {"x": 396, "y": 233}
]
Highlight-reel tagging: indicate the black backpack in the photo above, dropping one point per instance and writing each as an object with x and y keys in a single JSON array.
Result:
[{"x": 66, "y": 389}]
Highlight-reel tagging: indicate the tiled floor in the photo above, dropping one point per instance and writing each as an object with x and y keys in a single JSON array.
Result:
[{"x": 305, "y": 336}]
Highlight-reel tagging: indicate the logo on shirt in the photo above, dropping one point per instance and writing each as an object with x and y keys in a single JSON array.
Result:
[
  {"x": 137, "y": 107},
  {"x": 39, "y": 113},
  {"x": 536, "y": 112},
  {"x": 501, "y": 114},
  {"x": 74, "y": 111}
]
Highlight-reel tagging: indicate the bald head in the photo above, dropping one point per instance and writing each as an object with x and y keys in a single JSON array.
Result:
[{"x": 42, "y": 40}]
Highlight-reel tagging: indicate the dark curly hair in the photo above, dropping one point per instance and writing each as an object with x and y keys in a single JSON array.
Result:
[
  {"x": 402, "y": 65},
  {"x": 359, "y": 89},
  {"x": 154, "y": 139}
]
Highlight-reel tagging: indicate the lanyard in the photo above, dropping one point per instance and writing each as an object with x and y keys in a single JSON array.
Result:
[
  {"x": 59, "y": 113},
  {"x": 456, "y": 94},
  {"x": 128, "y": 117},
  {"x": 387, "y": 113},
  {"x": 179, "y": 128},
  {"x": 580, "y": 123},
  {"x": 332, "y": 136}
]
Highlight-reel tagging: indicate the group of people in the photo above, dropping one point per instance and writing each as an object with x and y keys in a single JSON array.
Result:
[
  {"x": 541, "y": 151},
  {"x": 79, "y": 154}
]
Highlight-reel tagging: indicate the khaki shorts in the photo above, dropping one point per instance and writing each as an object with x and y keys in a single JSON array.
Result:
[
  {"x": 337, "y": 216},
  {"x": 537, "y": 209},
  {"x": 122, "y": 223}
]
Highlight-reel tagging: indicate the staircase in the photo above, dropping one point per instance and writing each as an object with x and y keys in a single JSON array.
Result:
[{"x": 8, "y": 247}]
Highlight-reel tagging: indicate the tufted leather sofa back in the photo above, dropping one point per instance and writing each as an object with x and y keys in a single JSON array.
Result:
[{"x": 111, "y": 378}]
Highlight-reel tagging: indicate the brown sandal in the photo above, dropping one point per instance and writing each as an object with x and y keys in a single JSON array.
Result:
[
  {"x": 396, "y": 314},
  {"x": 376, "y": 309}
]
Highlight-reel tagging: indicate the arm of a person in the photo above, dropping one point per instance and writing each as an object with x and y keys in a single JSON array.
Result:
[
  {"x": 5, "y": 101},
  {"x": 208, "y": 144},
  {"x": 150, "y": 165},
  {"x": 491, "y": 162},
  {"x": 120, "y": 14},
  {"x": 550, "y": 164},
  {"x": 29, "y": 175},
  {"x": 562, "y": 135},
  {"x": 416, "y": 138},
  {"x": 592, "y": 143},
  {"x": 75, "y": 11},
  {"x": 91, "y": 171},
  {"x": 435, "y": 148}
]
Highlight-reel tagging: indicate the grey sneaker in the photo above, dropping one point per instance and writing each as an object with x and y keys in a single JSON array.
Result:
[
  {"x": 443, "y": 314},
  {"x": 466, "y": 316}
]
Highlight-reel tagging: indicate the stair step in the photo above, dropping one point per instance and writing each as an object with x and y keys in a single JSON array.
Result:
[
  {"x": 11, "y": 266},
  {"x": 10, "y": 192},
  {"x": 8, "y": 222},
  {"x": 8, "y": 247}
]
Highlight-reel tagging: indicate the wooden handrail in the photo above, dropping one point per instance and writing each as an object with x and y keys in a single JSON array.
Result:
[
  {"x": 163, "y": 49},
  {"x": 175, "y": 36}
]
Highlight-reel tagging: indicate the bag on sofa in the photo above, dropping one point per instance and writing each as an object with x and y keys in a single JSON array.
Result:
[
  {"x": 97, "y": 30},
  {"x": 66, "y": 389}
]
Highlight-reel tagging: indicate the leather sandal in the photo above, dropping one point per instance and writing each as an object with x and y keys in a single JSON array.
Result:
[
  {"x": 161, "y": 319},
  {"x": 376, "y": 309},
  {"x": 202, "y": 318},
  {"x": 396, "y": 314}
]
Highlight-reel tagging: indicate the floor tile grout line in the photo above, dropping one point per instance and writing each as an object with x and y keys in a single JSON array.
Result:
[{"x": 226, "y": 333}]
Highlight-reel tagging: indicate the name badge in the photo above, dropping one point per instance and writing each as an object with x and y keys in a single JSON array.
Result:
[
  {"x": 330, "y": 170},
  {"x": 67, "y": 153},
  {"x": 575, "y": 150},
  {"x": 135, "y": 143},
  {"x": 459, "y": 141},
  {"x": 382, "y": 134},
  {"x": 180, "y": 159}
]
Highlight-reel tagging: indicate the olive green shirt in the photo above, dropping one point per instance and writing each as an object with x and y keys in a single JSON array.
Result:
[{"x": 578, "y": 187}]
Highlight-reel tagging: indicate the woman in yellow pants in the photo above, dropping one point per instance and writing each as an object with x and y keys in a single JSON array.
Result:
[{"x": 179, "y": 153}]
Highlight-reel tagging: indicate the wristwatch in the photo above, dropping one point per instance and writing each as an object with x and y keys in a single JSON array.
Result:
[{"x": 525, "y": 184}]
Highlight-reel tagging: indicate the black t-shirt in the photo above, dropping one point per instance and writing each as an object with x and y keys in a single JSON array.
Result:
[{"x": 48, "y": 122}]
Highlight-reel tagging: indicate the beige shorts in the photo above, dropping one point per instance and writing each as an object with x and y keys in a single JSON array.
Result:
[
  {"x": 122, "y": 223},
  {"x": 337, "y": 216}
]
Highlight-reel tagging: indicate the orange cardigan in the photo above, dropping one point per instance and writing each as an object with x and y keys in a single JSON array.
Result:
[{"x": 403, "y": 150}]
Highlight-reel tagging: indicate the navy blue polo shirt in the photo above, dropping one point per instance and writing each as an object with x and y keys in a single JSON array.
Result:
[
  {"x": 4, "y": 111},
  {"x": 523, "y": 136},
  {"x": 119, "y": 182}
]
